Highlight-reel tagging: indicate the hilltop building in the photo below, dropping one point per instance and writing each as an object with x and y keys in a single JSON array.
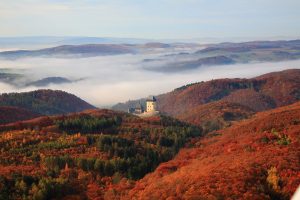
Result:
[
  {"x": 138, "y": 109},
  {"x": 151, "y": 104},
  {"x": 151, "y": 108}
]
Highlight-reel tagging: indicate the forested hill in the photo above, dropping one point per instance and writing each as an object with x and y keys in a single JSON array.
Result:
[
  {"x": 10, "y": 114},
  {"x": 273, "y": 89},
  {"x": 214, "y": 104},
  {"x": 81, "y": 155},
  {"x": 45, "y": 102},
  {"x": 254, "y": 159}
]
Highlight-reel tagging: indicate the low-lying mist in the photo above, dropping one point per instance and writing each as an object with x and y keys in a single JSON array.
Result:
[{"x": 107, "y": 80}]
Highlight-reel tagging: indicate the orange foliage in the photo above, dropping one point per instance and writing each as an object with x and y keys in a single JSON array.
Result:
[
  {"x": 260, "y": 93},
  {"x": 216, "y": 115},
  {"x": 12, "y": 114},
  {"x": 233, "y": 164}
]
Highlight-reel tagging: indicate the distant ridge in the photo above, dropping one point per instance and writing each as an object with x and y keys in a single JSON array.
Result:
[
  {"x": 66, "y": 40},
  {"x": 49, "y": 80},
  {"x": 85, "y": 50}
]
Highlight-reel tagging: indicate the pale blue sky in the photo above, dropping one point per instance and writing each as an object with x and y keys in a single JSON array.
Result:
[{"x": 151, "y": 19}]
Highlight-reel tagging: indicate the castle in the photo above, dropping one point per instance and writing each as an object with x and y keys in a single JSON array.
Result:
[
  {"x": 151, "y": 104},
  {"x": 151, "y": 108}
]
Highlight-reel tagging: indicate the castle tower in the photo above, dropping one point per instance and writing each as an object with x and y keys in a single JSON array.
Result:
[{"x": 151, "y": 104}]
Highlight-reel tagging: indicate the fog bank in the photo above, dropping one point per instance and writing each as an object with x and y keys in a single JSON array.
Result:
[{"x": 111, "y": 79}]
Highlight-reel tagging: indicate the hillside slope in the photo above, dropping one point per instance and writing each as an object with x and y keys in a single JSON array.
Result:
[
  {"x": 259, "y": 157},
  {"x": 12, "y": 114},
  {"x": 81, "y": 155},
  {"x": 282, "y": 88},
  {"x": 45, "y": 102},
  {"x": 257, "y": 94},
  {"x": 216, "y": 115}
]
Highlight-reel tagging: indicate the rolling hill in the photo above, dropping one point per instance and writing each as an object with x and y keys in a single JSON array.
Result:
[
  {"x": 192, "y": 64},
  {"x": 227, "y": 53},
  {"x": 252, "y": 45},
  {"x": 10, "y": 78},
  {"x": 45, "y": 102},
  {"x": 12, "y": 114},
  {"x": 259, "y": 157},
  {"x": 216, "y": 115},
  {"x": 261, "y": 93},
  {"x": 282, "y": 88},
  {"x": 106, "y": 154},
  {"x": 49, "y": 80},
  {"x": 84, "y": 50},
  {"x": 81, "y": 155}
]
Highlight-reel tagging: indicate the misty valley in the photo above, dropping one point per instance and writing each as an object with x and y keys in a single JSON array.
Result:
[
  {"x": 134, "y": 70},
  {"x": 149, "y": 100},
  {"x": 141, "y": 119}
]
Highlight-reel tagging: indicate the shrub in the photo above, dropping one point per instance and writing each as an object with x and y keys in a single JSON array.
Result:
[{"x": 273, "y": 179}]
